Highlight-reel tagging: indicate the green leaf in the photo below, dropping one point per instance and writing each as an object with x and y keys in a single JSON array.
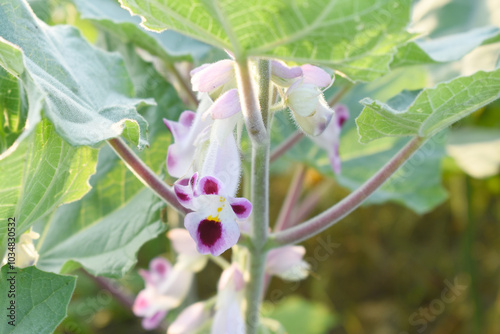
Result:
[
  {"x": 85, "y": 92},
  {"x": 168, "y": 45},
  {"x": 300, "y": 316},
  {"x": 11, "y": 58},
  {"x": 432, "y": 110},
  {"x": 355, "y": 37},
  {"x": 106, "y": 245},
  {"x": 12, "y": 108},
  {"x": 444, "y": 49},
  {"x": 41, "y": 174},
  {"x": 118, "y": 215},
  {"x": 41, "y": 300}
]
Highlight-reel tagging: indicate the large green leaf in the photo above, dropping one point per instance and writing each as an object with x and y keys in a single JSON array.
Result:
[
  {"x": 105, "y": 229},
  {"x": 41, "y": 300},
  {"x": 168, "y": 45},
  {"x": 355, "y": 37},
  {"x": 106, "y": 245},
  {"x": 86, "y": 93},
  {"x": 429, "y": 111},
  {"x": 41, "y": 174}
]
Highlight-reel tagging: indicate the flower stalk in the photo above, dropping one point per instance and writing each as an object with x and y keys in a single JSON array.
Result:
[{"x": 145, "y": 174}]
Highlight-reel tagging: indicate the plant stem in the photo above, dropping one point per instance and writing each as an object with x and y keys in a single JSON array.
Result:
[
  {"x": 249, "y": 104},
  {"x": 329, "y": 217},
  {"x": 286, "y": 145},
  {"x": 145, "y": 174},
  {"x": 260, "y": 201},
  {"x": 291, "y": 198}
]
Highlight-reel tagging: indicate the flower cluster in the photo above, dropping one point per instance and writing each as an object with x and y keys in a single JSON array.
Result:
[
  {"x": 205, "y": 155},
  {"x": 167, "y": 286}
]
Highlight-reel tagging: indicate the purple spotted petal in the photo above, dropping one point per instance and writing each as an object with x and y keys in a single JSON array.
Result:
[
  {"x": 226, "y": 105},
  {"x": 209, "y": 185},
  {"x": 211, "y": 236},
  {"x": 184, "y": 192},
  {"x": 241, "y": 207},
  {"x": 341, "y": 113},
  {"x": 316, "y": 76},
  {"x": 209, "y": 77}
]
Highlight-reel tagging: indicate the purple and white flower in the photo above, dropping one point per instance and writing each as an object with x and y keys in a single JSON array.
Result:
[
  {"x": 330, "y": 138},
  {"x": 305, "y": 98},
  {"x": 212, "y": 224},
  {"x": 167, "y": 285},
  {"x": 166, "y": 288}
]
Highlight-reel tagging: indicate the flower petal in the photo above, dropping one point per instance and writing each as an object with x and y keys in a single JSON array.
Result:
[
  {"x": 228, "y": 318},
  {"x": 190, "y": 319},
  {"x": 283, "y": 75},
  {"x": 231, "y": 279},
  {"x": 315, "y": 124},
  {"x": 302, "y": 98},
  {"x": 226, "y": 105},
  {"x": 184, "y": 193},
  {"x": 316, "y": 76},
  {"x": 154, "y": 321},
  {"x": 211, "y": 235},
  {"x": 209, "y": 77},
  {"x": 330, "y": 138},
  {"x": 341, "y": 113},
  {"x": 209, "y": 185},
  {"x": 182, "y": 241},
  {"x": 287, "y": 262},
  {"x": 241, "y": 207},
  {"x": 224, "y": 162}
]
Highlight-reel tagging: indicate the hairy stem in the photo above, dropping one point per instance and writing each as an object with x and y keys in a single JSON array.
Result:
[
  {"x": 260, "y": 202},
  {"x": 329, "y": 217},
  {"x": 249, "y": 104},
  {"x": 145, "y": 174}
]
